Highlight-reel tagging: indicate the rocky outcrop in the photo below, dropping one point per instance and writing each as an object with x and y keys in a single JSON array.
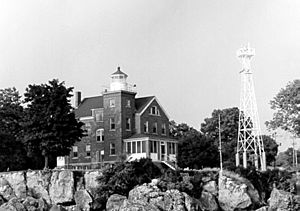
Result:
[
  {"x": 18, "y": 183},
  {"x": 38, "y": 184},
  {"x": 150, "y": 197},
  {"x": 282, "y": 201},
  {"x": 47, "y": 190},
  {"x": 115, "y": 202},
  {"x": 232, "y": 196},
  {"x": 61, "y": 188}
]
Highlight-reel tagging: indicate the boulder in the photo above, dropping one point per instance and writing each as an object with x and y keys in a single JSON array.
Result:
[
  {"x": 38, "y": 184},
  {"x": 6, "y": 190},
  {"x": 232, "y": 196},
  {"x": 13, "y": 205},
  {"x": 32, "y": 204},
  {"x": 83, "y": 200},
  {"x": 61, "y": 187},
  {"x": 264, "y": 208},
  {"x": 280, "y": 200},
  {"x": 150, "y": 194},
  {"x": 138, "y": 206},
  {"x": 191, "y": 204},
  {"x": 207, "y": 201},
  {"x": 90, "y": 181},
  {"x": 57, "y": 208},
  {"x": 18, "y": 183},
  {"x": 114, "y": 202},
  {"x": 7, "y": 207},
  {"x": 211, "y": 187}
]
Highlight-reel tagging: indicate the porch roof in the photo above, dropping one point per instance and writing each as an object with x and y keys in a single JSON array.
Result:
[{"x": 149, "y": 137}]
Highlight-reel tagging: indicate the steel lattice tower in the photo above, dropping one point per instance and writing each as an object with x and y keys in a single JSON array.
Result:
[{"x": 249, "y": 143}]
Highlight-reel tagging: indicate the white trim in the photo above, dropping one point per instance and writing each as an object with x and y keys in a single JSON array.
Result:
[
  {"x": 86, "y": 118},
  {"x": 134, "y": 139},
  {"x": 154, "y": 98}
]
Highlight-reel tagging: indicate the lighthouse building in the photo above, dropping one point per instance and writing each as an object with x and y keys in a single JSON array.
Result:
[{"x": 120, "y": 126}]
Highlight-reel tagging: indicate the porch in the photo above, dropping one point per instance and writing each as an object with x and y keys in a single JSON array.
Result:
[{"x": 156, "y": 149}]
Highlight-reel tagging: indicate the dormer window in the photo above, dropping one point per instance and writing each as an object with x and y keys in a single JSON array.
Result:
[{"x": 154, "y": 110}]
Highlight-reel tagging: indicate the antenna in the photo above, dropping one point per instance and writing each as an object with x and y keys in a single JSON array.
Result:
[{"x": 220, "y": 146}]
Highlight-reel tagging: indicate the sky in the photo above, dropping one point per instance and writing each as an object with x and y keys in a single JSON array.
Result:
[{"x": 181, "y": 51}]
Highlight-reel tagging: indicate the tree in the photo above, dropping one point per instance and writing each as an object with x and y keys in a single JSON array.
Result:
[
  {"x": 51, "y": 126},
  {"x": 271, "y": 149},
  {"x": 229, "y": 119},
  {"x": 182, "y": 130},
  {"x": 285, "y": 159},
  {"x": 197, "y": 152},
  {"x": 11, "y": 111},
  {"x": 12, "y": 153},
  {"x": 287, "y": 109}
]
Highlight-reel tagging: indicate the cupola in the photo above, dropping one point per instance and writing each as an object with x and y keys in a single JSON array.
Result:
[{"x": 118, "y": 81}]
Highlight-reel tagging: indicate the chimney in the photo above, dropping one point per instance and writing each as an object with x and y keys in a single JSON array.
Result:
[{"x": 77, "y": 99}]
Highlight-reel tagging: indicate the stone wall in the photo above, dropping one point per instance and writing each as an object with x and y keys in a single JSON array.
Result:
[{"x": 46, "y": 190}]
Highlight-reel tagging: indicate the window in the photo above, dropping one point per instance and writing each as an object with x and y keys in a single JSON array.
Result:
[
  {"x": 163, "y": 129},
  {"x": 138, "y": 147},
  {"x": 112, "y": 149},
  {"x": 129, "y": 147},
  {"x": 146, "y": 127},
  {"x": 154, "y": 110},
  {"x": 88, "y": 128},
  {"x": 112, "y": 103},
  {"x": 128, "y": 103},
  {"x": 153, "y": 146},
  {"x": 100, "y": 135},
  {"x": 88, "y": 150},
  {"x": 75, "y": 152},
  {"x": 143, "y": 146},
  {"x": 154, "y": 128},
  {"x": 112, "y": 123},
  {"x": 128, "y": 123},
  {"x": 133, "y": 147},
  {"x": 99, "y": 115}
]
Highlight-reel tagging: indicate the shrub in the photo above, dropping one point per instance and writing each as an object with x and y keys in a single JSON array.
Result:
[{"x": 122, "y": 177}]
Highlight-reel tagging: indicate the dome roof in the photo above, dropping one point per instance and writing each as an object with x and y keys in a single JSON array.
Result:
[{"x": 119, "y": 72}]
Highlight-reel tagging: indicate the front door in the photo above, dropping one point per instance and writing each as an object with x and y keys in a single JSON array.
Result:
[{"x": 162, "y": 151}]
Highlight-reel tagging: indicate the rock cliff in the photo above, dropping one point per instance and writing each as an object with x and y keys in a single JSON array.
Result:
[{"x": 47, "y": 190}]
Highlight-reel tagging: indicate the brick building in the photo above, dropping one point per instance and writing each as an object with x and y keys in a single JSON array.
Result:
[{"x": 120, "y": 126}]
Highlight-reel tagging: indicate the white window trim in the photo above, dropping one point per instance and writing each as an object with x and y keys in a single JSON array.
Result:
[
  {"x": 101, "y": 134},
  {"x": 112, "y": 105},
  {"x": 111, "y": 148}
]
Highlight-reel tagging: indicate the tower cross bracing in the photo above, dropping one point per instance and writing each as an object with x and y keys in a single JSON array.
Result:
[{"x": 250, "y": 144}]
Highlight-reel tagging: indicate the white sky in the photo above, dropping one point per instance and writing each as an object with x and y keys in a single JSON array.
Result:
[{"x": 182, "y": 51}]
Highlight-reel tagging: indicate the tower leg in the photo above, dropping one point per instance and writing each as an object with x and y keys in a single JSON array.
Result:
[
  {"x": 263, "y": 162},
  {"x": 256, "y": 161},
  {"x": 237, "y": 159},
  {"x": 245, "y": 159}
]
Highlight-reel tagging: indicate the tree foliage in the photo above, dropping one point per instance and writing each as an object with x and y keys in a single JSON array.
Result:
[
  {"x": 229, "y": 121},
  {"x": 50, "y": 127},
  {"x": 197, "y": 152},
  {"x": 285, "y": 159},
  {"x": 271, "y": 149},
  {"x": 287, "y": 109},
  {"x": 12, "y": 153}
]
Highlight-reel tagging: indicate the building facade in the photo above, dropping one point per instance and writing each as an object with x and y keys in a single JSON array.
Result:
[{"x": 120, "y": 126}]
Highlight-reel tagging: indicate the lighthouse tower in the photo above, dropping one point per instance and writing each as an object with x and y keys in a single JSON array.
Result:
[{"x": 250, "y": 145}]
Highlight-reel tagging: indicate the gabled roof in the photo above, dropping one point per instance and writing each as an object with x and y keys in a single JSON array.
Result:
[
  {"x": 84, "y": 108},
  {"x": 145, "y": 105},
  {"x": 141, "y": 103}
]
